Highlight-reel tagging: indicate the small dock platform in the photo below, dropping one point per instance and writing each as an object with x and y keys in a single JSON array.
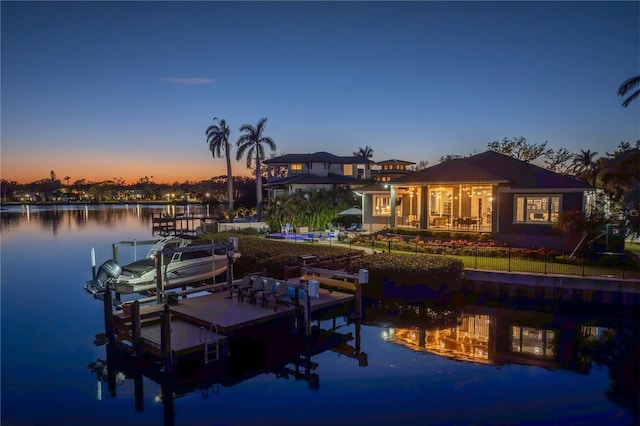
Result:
[{"x": 203, "y": 324}]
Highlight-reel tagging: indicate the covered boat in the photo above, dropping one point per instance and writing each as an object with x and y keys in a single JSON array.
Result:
[{"x": 182, "y": 263}]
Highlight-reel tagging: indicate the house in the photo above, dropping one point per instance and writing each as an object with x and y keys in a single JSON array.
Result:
[
  {"x": 515, "y": 201},
  {"x": 292, "y": 173},
  {"x": 388, "y": 170}
]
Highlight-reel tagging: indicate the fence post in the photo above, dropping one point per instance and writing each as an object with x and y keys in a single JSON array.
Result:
[
  {"x": 509, "y": 257},
  {"x": 389, "y": 246},
  {"x": 475, "y": 266},
  {"x": 373, "y": 246}
]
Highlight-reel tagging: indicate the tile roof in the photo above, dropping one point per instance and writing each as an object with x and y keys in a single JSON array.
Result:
[
  {"x": 493, "y": 167},
  {"x": 318, "y": 157}
]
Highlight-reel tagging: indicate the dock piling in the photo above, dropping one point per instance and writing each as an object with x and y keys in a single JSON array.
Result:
[
  {"x": 165, "y": 339},
  {"x": 93, "y": 263},
  {"x": 108, "y": 315}
]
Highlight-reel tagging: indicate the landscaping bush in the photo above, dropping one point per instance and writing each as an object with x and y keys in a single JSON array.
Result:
[
  {"x": 405, "y": 275},
  {"x": 259, "y": 253}
]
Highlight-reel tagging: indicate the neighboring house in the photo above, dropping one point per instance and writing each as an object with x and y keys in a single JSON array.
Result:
[
  {"x": 515, "y": 201},
  {"x": 291, "y": 173},
  {"x": 388, "y": 170}
]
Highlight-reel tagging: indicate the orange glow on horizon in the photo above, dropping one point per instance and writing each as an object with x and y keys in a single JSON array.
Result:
[{"x": 130, "y": 171}]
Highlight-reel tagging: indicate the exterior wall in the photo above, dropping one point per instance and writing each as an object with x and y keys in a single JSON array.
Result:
[
  {"x": 370, "y": 222},
  {"x": 525, "y": 235}
]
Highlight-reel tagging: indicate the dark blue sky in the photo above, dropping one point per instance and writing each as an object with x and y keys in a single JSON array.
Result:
[{"x": 103, "y": 90}]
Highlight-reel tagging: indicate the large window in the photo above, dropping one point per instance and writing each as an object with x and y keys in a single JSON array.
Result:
[
  {"x": 348, "y": 169},
  {"x": 381, "y": 206},
  {"x": 533, "y": 341},
  {"x": 537, "y": 209},
  {"x": 296, "y": 168}
]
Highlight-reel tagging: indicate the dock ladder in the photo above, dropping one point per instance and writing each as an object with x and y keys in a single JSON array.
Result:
[{"x": 207, "y": 337}]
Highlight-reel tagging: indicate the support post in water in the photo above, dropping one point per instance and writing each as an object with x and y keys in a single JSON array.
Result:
[
  {"x": 108, "y": 315},
  {"x": 159, "y": 278},
  {"x": 136, "y": 329},
  {"x": 93, "y": 263},
  {"x": 165, "y": 338}
]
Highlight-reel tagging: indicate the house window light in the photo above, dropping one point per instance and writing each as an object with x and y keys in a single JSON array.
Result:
[
  {"x": 296, "y": 167},
  {"x": 381, "y": 206},
  {"x": 537, "y": 209}
]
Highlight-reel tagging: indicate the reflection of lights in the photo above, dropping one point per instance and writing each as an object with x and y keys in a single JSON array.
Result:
[
  {"x": 157, "y": 398},
  {"x": 385, "y": 335},
  {"x": 442, "y": 344},
  {"x": 537, "y": 351}
]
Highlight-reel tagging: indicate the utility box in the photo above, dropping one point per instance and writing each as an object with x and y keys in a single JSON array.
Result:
[
  {"x": 313, "y": 287},
  {"x": 614, "y": 238}
]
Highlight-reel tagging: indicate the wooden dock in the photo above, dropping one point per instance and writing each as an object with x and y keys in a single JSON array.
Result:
[{"x": 203, "y": 325}]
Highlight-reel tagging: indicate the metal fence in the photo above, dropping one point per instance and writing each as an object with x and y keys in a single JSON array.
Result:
[{"x": 518, "y": 260}]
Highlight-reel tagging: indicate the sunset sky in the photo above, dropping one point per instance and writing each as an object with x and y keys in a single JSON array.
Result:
[{"x": 104, "y": 90}]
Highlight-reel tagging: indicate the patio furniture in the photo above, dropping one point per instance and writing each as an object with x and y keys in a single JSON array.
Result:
[
  {"x": 265, "y": 292},
  {"x": 279, "y": 294},
  {"x": 245, "y": 285}
]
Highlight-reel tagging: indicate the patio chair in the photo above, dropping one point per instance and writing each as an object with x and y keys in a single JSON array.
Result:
[
  {"x": 245, "y": 285},
  {"x": 279, "y": 294},
  {"x": 286, "y": 229},
  {"x": 257, "y": 286},
  {"x": 352, "y": 227},
  {"x": 265, "y": 292}
]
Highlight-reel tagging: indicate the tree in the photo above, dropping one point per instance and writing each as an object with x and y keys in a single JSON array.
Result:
[
  {"x": 559, "y": 161},
  {"x": 366, "y": 152},
  {"x": 252, "y": 143},
  {"x": 421, "y": 165},
  {"x": 584, "y": 166},
  {"x": 218, "y": 140},
  {"x": 627, "y": 87},
  {"x": 519, "y": 148}
]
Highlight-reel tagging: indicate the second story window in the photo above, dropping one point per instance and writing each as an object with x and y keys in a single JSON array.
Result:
[
  {"x": 296, "y": 168},
  {"x": 348, "y": 169}
]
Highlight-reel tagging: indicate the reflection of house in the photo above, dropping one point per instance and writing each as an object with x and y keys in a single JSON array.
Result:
[
  {"x": 516, "y": 201},
  {"x": 385, "y": 171},
  {"x": 293, "y": 173},
  {"x": 502, "y": 337}
]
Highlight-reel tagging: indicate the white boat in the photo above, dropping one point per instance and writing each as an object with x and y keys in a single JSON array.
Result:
[{"x": 182, "y": 263}]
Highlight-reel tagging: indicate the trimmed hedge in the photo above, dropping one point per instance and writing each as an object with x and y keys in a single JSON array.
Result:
[
  {"x": 410, "y": 276},
  {"x": 258, "y": 253}
]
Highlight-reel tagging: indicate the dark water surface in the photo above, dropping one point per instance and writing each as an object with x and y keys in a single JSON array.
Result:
[{"x": 478, "y": 365}]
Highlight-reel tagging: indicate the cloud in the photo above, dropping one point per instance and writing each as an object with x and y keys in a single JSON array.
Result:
[{"x": 190, "y": 80}]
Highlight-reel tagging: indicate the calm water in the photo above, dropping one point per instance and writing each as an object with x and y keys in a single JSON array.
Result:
[{"x": 479, "y": 366}]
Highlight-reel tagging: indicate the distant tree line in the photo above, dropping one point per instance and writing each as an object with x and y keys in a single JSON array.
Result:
[{"x": 54, "y": 190}]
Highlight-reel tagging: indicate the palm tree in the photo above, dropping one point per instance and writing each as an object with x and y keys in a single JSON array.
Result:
[
  {"x": 252, "y": 143},
  {"x": 584, "y": 166},
  {"x": 627, "y": 87},
  {"x": 366, "y": 152},
  {"x": 218, "y": 140}
]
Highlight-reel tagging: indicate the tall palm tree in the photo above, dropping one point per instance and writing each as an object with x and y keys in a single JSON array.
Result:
[
  {"x": 251, "y": 143},
  {"x": 218, "y": 140},
  {"x": 627, "y": 87},
  {"x": 366, "y": 152}
]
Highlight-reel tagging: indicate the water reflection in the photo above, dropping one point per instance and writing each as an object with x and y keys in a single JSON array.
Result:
[
  {"x": 55, "y": 218},
  {"x": 500, "y": 336},
  {"x": 252, "y": 352}
]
